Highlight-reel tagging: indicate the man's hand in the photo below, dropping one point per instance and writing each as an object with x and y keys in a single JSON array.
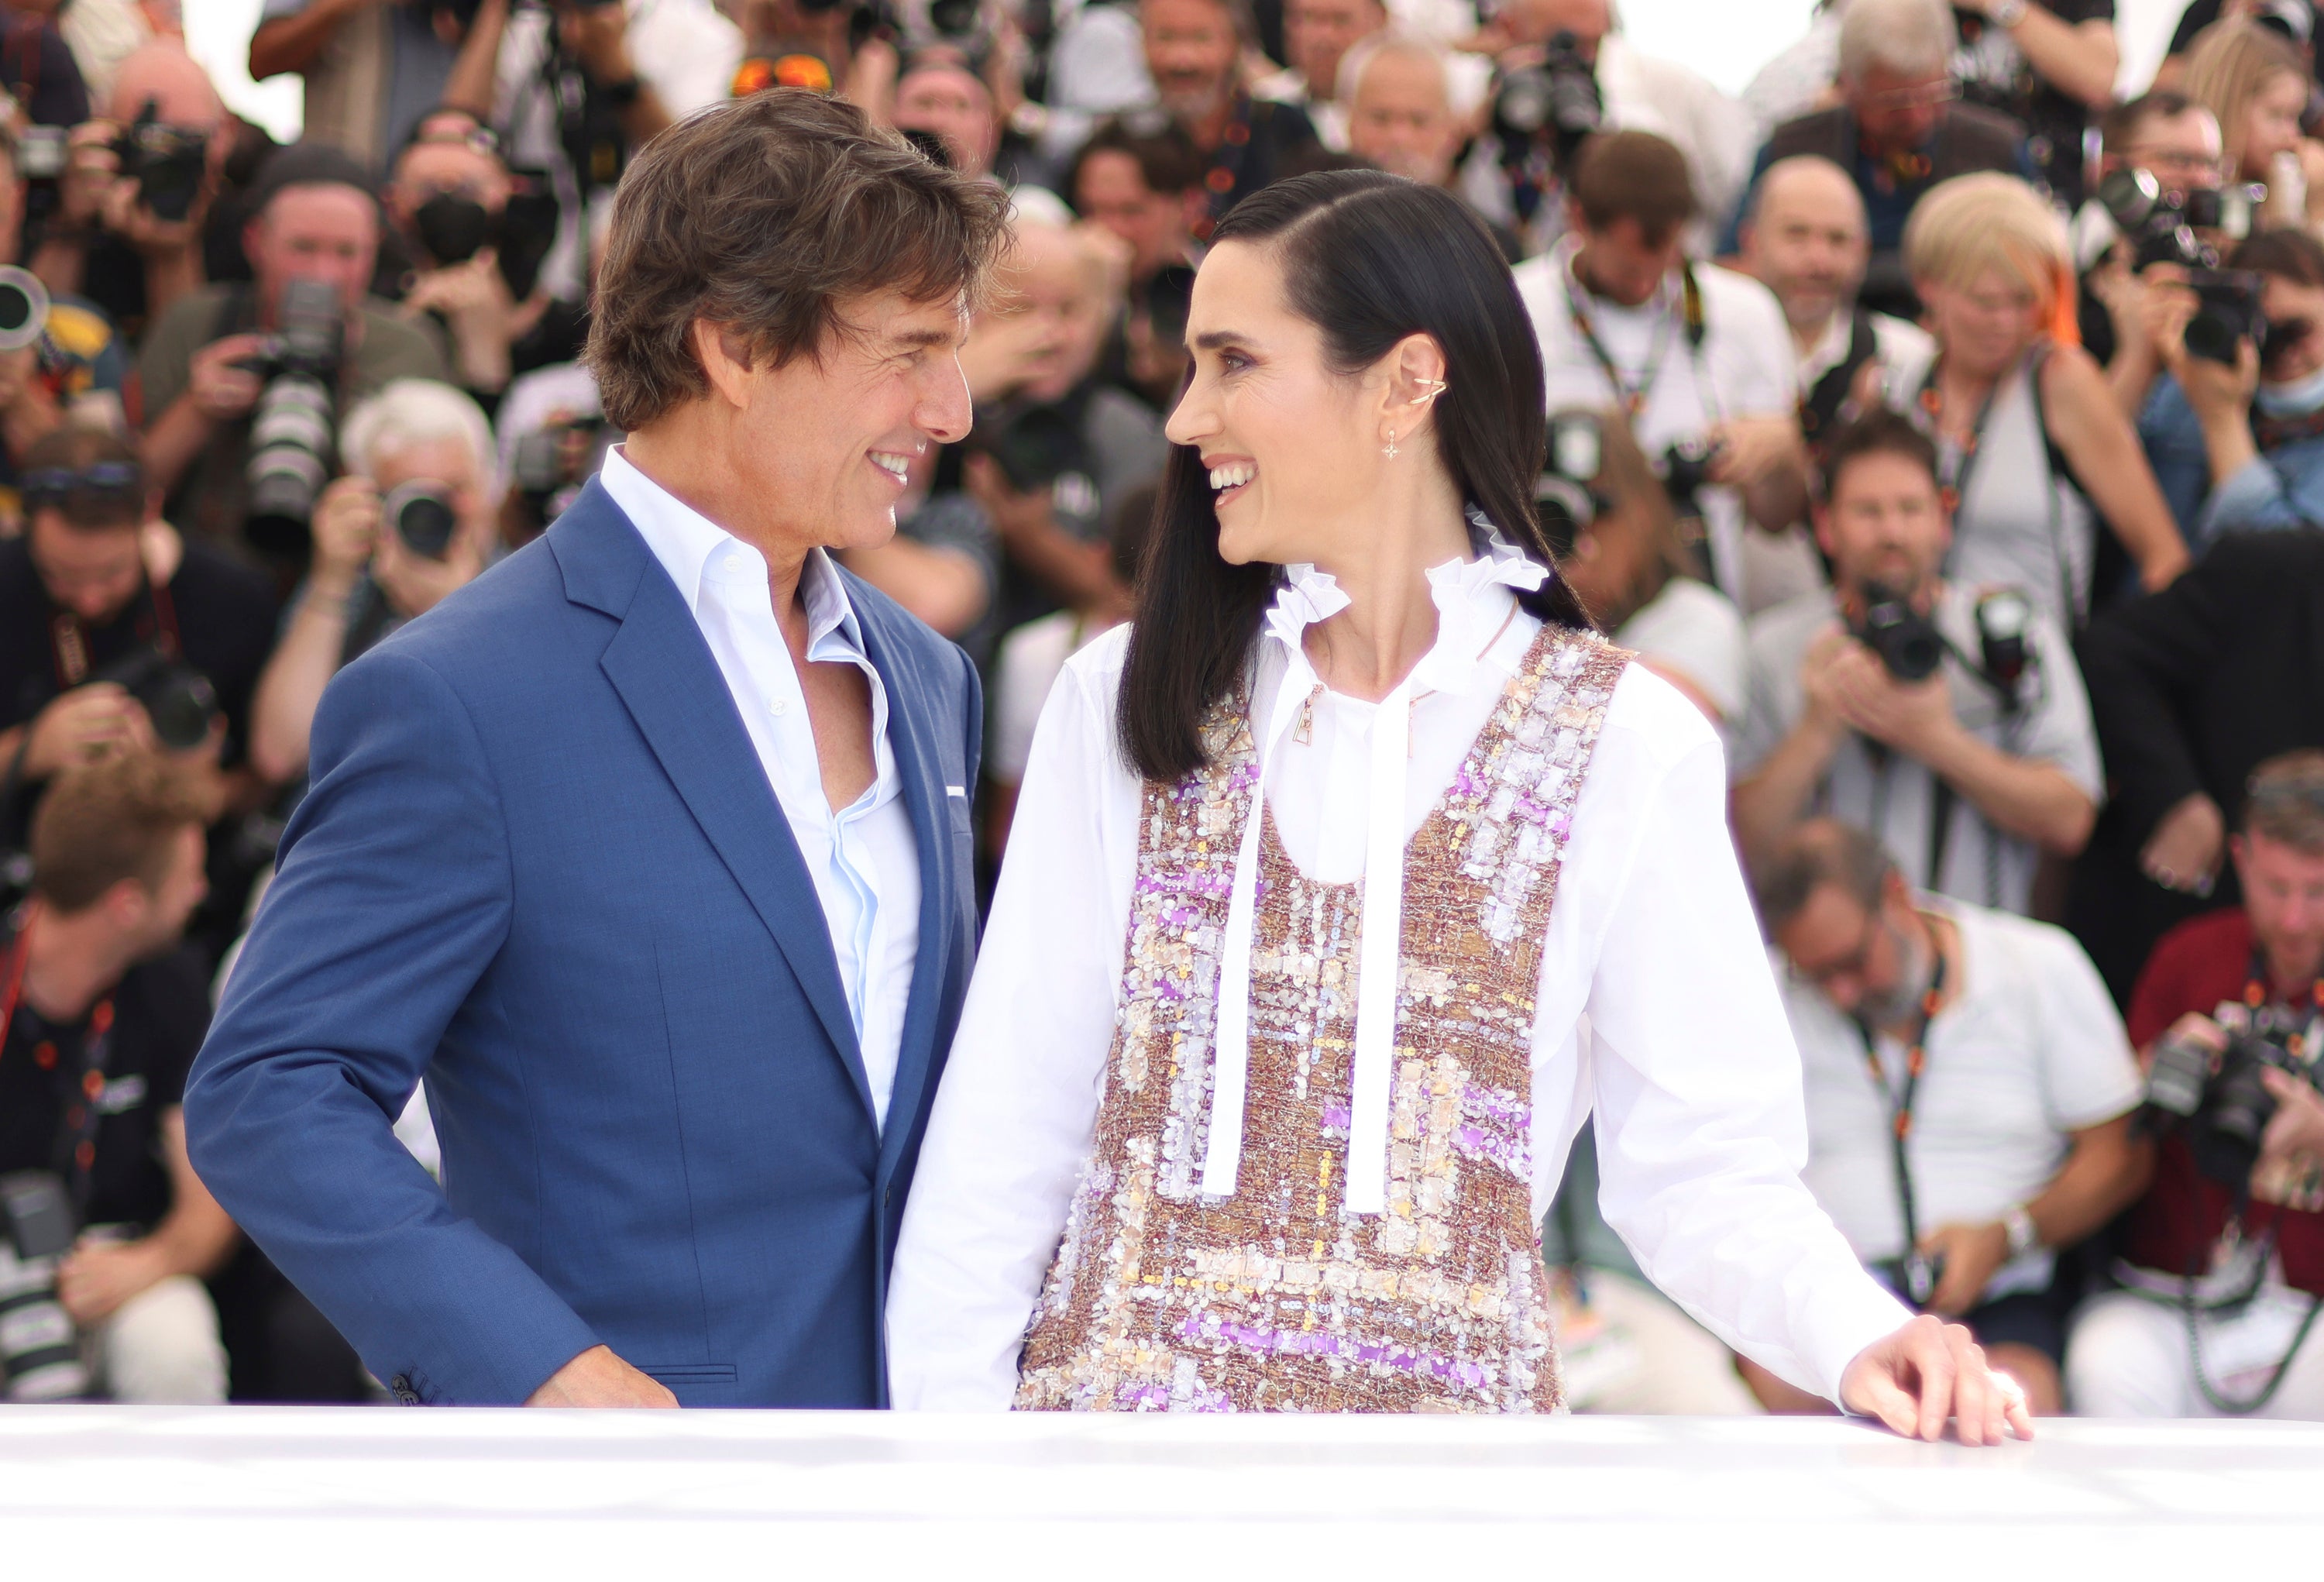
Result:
[
  {"x": 1750, "y": 448},
  {"x": 2219, "y": 393},
  {"x": 599, "y": 38},
  {"x": 2184, "y": 851},
  {"x": 1004, "y": 350},
  {"x": 223, "y": 391},
  {"x": 1931, "y": 1370},
  {"x": 1015, "y": 513},
  {"x": 84, "y": 725},
  {"x": 1970, "y": 1253},
  {"x": 599, "y": 1378},
  {"x": 2297, "y": 1128},
  {"x": 96, "y": 1277},
  {"x": 346, "y": 531},
  {"x": 91, "y": 175},
  {"x": 1904, "y": 716}
]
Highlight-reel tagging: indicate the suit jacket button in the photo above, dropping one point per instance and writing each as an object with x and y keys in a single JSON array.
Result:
[{"x": 400, "y": 1388}]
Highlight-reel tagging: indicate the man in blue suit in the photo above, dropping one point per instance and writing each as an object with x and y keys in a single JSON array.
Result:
[{"x": 650, "y": 849}]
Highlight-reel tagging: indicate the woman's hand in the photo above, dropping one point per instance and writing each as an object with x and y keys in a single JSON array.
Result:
[{"x": 1928, "y": 1371}]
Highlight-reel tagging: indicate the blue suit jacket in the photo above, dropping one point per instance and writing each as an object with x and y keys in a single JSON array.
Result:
[{"x": 541, "y": 864}]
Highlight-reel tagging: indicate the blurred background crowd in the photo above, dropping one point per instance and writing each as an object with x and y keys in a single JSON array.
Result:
[{"x": 1943, "y": 414}]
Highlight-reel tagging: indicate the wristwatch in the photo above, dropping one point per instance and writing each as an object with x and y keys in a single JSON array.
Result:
[
  {"x": 2006, "y": 15},
  {"x": 2018, "y": 1226}
]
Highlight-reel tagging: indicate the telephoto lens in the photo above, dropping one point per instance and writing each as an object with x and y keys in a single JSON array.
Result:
[
  {"x": 40, "y": 1348},
  {"x": 24, "y": 307},
  {"x": 293, "y": 425}
]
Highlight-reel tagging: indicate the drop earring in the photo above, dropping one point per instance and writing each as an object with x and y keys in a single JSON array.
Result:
[{"x": 1389, "y": 449}]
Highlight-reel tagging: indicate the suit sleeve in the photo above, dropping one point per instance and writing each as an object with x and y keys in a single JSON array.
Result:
[
  {"x": 392, "y": 895},
  {"x": 2143, "y": 666}
]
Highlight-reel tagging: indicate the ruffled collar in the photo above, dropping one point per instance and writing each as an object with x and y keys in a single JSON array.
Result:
[{"x": 1471, "y": 596}]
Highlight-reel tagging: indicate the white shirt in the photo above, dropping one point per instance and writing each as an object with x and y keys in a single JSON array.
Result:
[
  {"x": 1896, "y": 347},
  {"x": 1696, "y": 630},
  {"x": 1022, "y": 679},
  {"x": 1745, "y": 367},
  {"x": 862, "y": 858},
  {"x": 1656, "y": 1007},
  {"x": 2028, "y": 1048}
]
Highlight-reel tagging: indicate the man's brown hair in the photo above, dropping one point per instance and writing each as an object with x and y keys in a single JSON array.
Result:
[
  {"x": 2284, "y": 801},
  {"x": 110, "y": 821},
  {"x": 1880, "y": 431},
  {"x": 760, "y": 214},
  {"x": 1166, "y": 157},
  {"x": 1634, "y": 175},
  {"x": 1810, "y": 855}
]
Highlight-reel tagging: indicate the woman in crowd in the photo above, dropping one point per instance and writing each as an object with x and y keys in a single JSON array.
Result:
[
  {"x": 2031, "y": 443},
  {"x": 1265, "y": 1103},
  {"x": 1630, "y": 567},
  {"x": 2255, "y": 83}
]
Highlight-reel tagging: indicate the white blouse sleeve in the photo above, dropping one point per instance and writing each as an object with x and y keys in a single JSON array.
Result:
[
  {"x": 1013, "y": 1121},
  {"x": 1702, "y": 1125}
]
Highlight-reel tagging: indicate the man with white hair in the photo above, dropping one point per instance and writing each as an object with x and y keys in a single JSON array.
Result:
[
  {"x": 415, "y": 517},
  {"x": 1897, "y": 130}
]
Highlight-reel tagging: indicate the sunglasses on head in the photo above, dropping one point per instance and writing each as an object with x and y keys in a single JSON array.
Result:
[{"x": 100, "y": 488}]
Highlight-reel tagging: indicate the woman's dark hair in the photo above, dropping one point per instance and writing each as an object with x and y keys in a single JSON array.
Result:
[{"x": 1368, "y": 258}]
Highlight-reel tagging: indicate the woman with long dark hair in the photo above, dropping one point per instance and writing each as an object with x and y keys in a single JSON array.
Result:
[{"x": 1277, "y": 1044}]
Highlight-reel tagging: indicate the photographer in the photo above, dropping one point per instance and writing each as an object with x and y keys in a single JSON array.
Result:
[
  {"x": 2046, "y": 64},
  {"x": 1317, "y": 35},
  {"x": 937, "y": 96},
  {"x": 573, "y": 88},
  {"x": 2127, "y": 269},
  {"x": 371, "y": 67},
  {"x": 1896, "y": 131},
  {"x": 101, "y": 1012},
  {"x": 415, "y": 518},
  {"x": 1697, "y": 357},
  {"x": 1054, "y": 449},
  {"x": 1947, "y": 721},
  {"x": 1193, "y": 53},
  {"x": 1969, "y": 1094},
  {"x": 2235, "y": 1219},
  {"x": 135, "y": 198},
  {"x": 210, "y": 359},
  {"x": 2259, "y": 421},
  {"x": 107, "y": 617},
  {"x": 478, "y": 275}
]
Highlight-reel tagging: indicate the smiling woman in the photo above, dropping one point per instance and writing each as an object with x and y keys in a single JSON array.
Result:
[{"x": 1275, "y": 1048}]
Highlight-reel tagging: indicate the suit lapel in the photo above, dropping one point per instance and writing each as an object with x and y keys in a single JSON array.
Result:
[
  {"x": 672, "y": 687},
  {"x": 912, "y": 736}
]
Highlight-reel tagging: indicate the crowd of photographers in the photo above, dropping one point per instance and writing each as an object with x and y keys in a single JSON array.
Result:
[{"x": 1947, "y": 427}]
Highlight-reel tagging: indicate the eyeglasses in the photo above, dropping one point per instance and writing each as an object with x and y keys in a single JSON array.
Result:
[{"x": 1927, "y": 97}]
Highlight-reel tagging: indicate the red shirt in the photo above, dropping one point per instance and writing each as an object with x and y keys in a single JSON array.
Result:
[{"x": 2194, "y": 967}]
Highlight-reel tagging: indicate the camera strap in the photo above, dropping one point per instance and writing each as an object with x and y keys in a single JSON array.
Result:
[
  {"x": 1899, "y": 1103},
  {"x": 1956, "y": 462},
  {"x": 1819, "y": 408},
  {"x": 1632, "y": 397}
]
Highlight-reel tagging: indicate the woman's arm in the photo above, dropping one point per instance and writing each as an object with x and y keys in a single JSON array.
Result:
[
  {"x": 1012, "y": 1124},
  {"x": 1693, "y": 1076},
  {"x": 2103, "y": 451}
]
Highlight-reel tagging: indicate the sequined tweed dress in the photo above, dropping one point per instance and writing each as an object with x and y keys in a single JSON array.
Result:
[{"x": 1276, "y": 1299}]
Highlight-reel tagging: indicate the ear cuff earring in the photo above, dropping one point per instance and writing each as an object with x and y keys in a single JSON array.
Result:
[{"x": 1430, "y": 389}]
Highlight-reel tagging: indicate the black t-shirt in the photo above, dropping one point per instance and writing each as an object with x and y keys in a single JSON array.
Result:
[
  {"x": 1261, "y": 136},
  {"x": 160, "y": 1014},
  {"x": 225, "y": 615},
  {"x": 37, "y": 65},
  {"x": 1993, "y": 71}
]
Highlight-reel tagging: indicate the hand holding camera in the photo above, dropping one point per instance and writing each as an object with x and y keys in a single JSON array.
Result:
[
  {"x": 347, "y": 531},
  {"x": 1848, "y": 685},
  {"x": 2235, "y": 1087},
  {"x": 83, "y": 725},
  {"x": 221, "y": 379}
]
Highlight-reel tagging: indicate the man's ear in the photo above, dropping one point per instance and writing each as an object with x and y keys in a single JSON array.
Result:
[{"x": 725, "y": 359}]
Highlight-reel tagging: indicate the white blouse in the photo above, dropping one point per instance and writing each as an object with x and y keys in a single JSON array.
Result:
[{"x": 1657, "y": 1008}]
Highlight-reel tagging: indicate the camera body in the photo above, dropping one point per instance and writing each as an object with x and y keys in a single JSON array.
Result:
[
  {"x": 167, "y": 163},
  {"x": 40, "y": 1347},
  {"x": 177, "y": 697},
  {"x": 294, "y": 427},
  {"x": 2161, "y": 227},
  {"x": 2219, "y": 1105},
  {"x": 1685, "y": 468},
  {"x": 1908, "y": 643},
  {"x": 1554, "y": 104}
]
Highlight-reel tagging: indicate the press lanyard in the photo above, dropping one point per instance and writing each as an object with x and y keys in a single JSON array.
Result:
[
  {"x": 78, "y": 1156},
  {"x": 1633, "y": 397},
  {"x": 2256, "y": 996},
  {"x": 1900, "y": 1104},
  {"x": 1225, "y": 169},
  {"x": 68, "y": 640}
]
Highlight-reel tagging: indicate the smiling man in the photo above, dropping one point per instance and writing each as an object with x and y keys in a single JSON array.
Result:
[{"x": 650, "y": 848}]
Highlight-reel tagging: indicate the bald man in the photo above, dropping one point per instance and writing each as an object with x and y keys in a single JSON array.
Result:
[
  {"x": 108, "y": 240},
  {"x": 1397, "y": 92},
  {"x": 1804, "y": 238}
]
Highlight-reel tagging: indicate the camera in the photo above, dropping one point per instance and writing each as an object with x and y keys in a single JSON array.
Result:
[
  {"x": 1556, "y": 103},
  {"x": 167, "y": 163},
  {"x": 2005, "y": 622},
  {"x": 420, "y": 515},
  {"x": 957, "y": 22},
  {"x": 1685, "y": 468},
  {"x": 2220, "y": 1105},
  {"x": 1916, "y": 1275},
  {"x": 292, "y": 428},
  {"x": 1908, "y": 643},
  {"x": 1563, "y": 497},
  {"x": 23, "y": 308},
  {"x": 549, "y": 465},
  {"x": 40, "y": 1348},
  {"x": 2161, "y": 227},
  {"x": 177, "y": 697}
]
